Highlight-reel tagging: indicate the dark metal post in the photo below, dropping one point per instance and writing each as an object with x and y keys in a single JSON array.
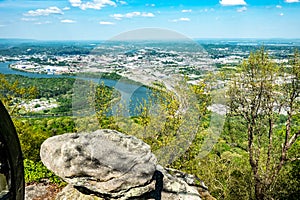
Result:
[{"x": 11, "y": 161}]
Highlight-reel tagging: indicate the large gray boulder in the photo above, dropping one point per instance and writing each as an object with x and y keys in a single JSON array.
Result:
[
  {"x": 104, "y": 162},
  {"x": 178, "y": 187},
  {"x": 70, "y": 193},
  {"x": 166, "y": 188}
]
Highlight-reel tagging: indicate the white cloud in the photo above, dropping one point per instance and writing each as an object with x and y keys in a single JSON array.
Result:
[
  {"x": 123, "y": 2},
  {"x": 242, "y": 9},
  {"x": 279, "y": 6},
  {"x": 132, "y": 14},
  {"x": 182, "y": 19},
  {"x": 232, "y": 2},
  {"x": 106, "y": 23},
  {"x": 46, "y": 22},
  {"x": 291, "y": 1},
  {"x": 44, "y": 12},
  {"x": 147, "y": 15},
  {"x": 151, "y": 5},
  {"x": 95, "y": 4},
  {"x": 66, "y": 8},
  {"x": 186, "y": 11},
  {"x": 67, "y": 21},
  {"x": 281, "y": 14},
  {"x": 117, "y": 16},
  {"x": 75, "y": 3},
  {"x": 28, "y": 19}
]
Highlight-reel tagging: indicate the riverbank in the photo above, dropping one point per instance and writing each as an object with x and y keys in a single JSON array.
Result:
[{"x": 137, "y": 92}]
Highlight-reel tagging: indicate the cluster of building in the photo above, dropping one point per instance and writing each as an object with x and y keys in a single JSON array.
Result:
[
  {"x": 37, "y": 68},
  {"x": 136, "y": 64},
  {"x": 141, "y": 64}
]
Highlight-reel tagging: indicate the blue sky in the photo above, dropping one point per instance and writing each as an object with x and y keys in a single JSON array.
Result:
[{"x": 103, "y": 19}]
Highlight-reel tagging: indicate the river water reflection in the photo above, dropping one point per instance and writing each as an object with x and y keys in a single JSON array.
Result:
[{"x": 131, "y": 93}]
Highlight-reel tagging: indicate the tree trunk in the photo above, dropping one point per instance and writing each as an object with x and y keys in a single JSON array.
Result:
[{"x": 259, "y": 192}]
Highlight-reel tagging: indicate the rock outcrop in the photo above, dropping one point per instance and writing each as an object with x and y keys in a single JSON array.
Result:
[
  {"x": 43, "y": 190},
  {"x": 107, "y": 164}
]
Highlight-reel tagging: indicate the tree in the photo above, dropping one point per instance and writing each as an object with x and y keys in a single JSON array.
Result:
[
  {"x": 260, "y": 93},
  {"x": 11, "y": 94}
]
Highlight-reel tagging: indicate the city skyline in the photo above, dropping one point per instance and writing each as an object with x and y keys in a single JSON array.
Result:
[{"x": 104, "y": 19}]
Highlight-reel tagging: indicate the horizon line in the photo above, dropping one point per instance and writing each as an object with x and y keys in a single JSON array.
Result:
[{"x": 196, "y": 38}]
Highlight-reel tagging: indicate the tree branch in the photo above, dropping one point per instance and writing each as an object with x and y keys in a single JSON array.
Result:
[
  {"x": 270, "y": 146},
  {"x": 293, "y": 139}
]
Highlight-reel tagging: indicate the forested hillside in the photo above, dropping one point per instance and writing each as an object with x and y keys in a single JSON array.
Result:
[{"x": 257, "y": 153}]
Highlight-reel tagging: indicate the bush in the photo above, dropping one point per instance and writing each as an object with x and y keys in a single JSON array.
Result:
[{"x": 36, "y": 171}]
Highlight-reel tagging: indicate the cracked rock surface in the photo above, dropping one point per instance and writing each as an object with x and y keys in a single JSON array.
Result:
[{"x": 107, "y": 164}]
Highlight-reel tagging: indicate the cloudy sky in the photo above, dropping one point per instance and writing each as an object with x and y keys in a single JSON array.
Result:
[{"x": 104, "y": 19}]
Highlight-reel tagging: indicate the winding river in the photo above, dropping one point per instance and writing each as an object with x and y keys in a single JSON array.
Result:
[{"x": 131, "y": 94}]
